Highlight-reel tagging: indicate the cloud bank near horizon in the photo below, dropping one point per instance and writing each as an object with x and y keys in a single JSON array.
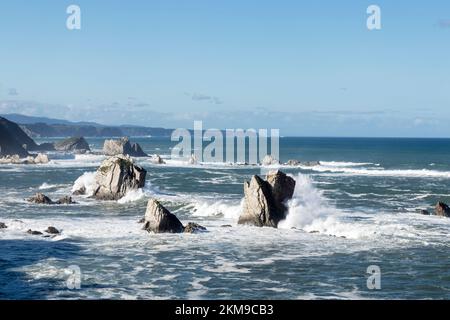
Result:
[{"x": 374, "y": 123}]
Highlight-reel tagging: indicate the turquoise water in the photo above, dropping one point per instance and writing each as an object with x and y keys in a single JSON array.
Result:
[{"x": 357, "y": 208}]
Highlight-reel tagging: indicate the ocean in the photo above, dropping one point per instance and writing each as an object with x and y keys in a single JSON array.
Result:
[{"x": 357, "y": 208}]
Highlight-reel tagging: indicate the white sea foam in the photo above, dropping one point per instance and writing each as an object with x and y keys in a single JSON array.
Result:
[
  {"x": 380, "y": 172},
  {"x": 207, "y": 208},
  {"x": 86, "y": 180},
  {"x": 347, "y": 164},
  {"x": 46, "y": 186},
  {"x": 131, "y": 196}
]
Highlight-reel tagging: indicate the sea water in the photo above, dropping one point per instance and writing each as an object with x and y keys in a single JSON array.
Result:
[{"x": 357, "y": 208}]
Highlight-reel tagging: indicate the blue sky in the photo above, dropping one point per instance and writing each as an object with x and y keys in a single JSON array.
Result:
[{"x": 306, "y": 67}]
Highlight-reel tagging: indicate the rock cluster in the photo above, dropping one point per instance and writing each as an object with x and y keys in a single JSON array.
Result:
[
  {"x": 15, "y": 159},
  {"x": 40, "y": 198}
]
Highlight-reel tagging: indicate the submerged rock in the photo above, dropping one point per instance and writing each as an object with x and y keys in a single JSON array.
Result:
[
  {"x": 264, "y": 200},
  {"x": 442, "y": 209},
  {"x": 193, "y": 227},
  {"x": 74, "y": 144},
  {"x": 40, "y": 198},
  {"x": 52, "y": 230},
  {"x": 80, "y": 192},
  {"x": 159, "y": 220},
  {"x": 66, "y": 200},
  {"x": 34, "y": 233},
  {"x": 158, "y": 160},
  {"x": 116, "y": 176},
  {"x": 3, "y": 225},
  {"x": 292, "y": 162},
  {"x": 123, "y": 147}
]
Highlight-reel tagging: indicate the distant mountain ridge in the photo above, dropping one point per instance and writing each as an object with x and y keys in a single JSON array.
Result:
[{"x": 37, "y": 127}]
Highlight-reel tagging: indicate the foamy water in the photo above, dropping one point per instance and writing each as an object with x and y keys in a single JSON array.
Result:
[{"x": 345, "y": 215}]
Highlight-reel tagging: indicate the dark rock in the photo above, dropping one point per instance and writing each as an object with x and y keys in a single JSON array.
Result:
[
  {"x": 74, "y": 144},
  {"x": 193, "y": 227},
  {"x": 158, "y": 160},
  {"x": 40, "y": 198},
  {"x": 34, "y": 233},
  {"x": 52, "y": 230},
  {"x": 310, "y": 163},
  {"x": 264, "y": 200},
  {"x": 142, "y": 220},
  {"x": 79, "y": 192},
  {"x": 116, "y": 176},
  {"x": 159, "y": 220},
  {"x": 425, "y": 212},
  {"x": 65, "y": 200},
  {"x": 3, "y": 225},
  {"x": 12, "y": 139},
  {"x": 292, "y": 163},
  {"x": 226, "y": 226},
  {"x": 442, "y": 209}
]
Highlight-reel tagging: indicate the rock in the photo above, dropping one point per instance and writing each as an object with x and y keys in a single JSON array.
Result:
[
  {"x": 40, "y": 199},
  {"x": 142, "y": 220},
  {"x": 74, "y": 144},
  {"x": 226, "y": 226},
  {"x": 193, "y": 227},
  {"x": 137, "y": 151},
  {"x": 192, "y": 159},
  {"x": 292, "y": 162},
  {"x": 425, "y": 212},
  {"x": 283, "y": 188},
  {"x": 13, "y": 138},
  {"x": 122, "y": 147},
  {"x": 116, "y": 176},
  {"x": 158, "y": 160},
  {"x": 310, "y": 163},
  {"x": 264, "y": 200},
  {"x": 52, "y": 230},
  {"x": 80, "y": 192},
  {"x": 34, "y": 233},
  {"x": 41, "y": 158},
  {"x": 442, "y": 210},
  {"x": 269, "y": 160},
  {"x": 159, "y": 220},
  {"x": 65, "y": 200},
  {"x": 3, "y": 225},
  {"x": 10, "y": 159}
]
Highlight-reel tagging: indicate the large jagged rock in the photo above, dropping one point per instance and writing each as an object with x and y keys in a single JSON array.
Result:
[
  {"x": 264, "y": 200},
  {"x": 159, "y": 220},
  {"x": 442, "y": 210},
  {"x": 74, "y": 144},
  {"x": 123, "y": 147},
  {"x": 116, "y": 176}
]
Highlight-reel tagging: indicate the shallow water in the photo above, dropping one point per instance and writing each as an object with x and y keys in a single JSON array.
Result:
[{"x": 358, "y": 208}]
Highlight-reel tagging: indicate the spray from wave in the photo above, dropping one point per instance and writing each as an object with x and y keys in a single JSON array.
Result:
[{"x": 87, "y": 181}]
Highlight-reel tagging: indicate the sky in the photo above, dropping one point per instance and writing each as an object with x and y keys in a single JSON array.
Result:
[{"x": 308, "y": 68}]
